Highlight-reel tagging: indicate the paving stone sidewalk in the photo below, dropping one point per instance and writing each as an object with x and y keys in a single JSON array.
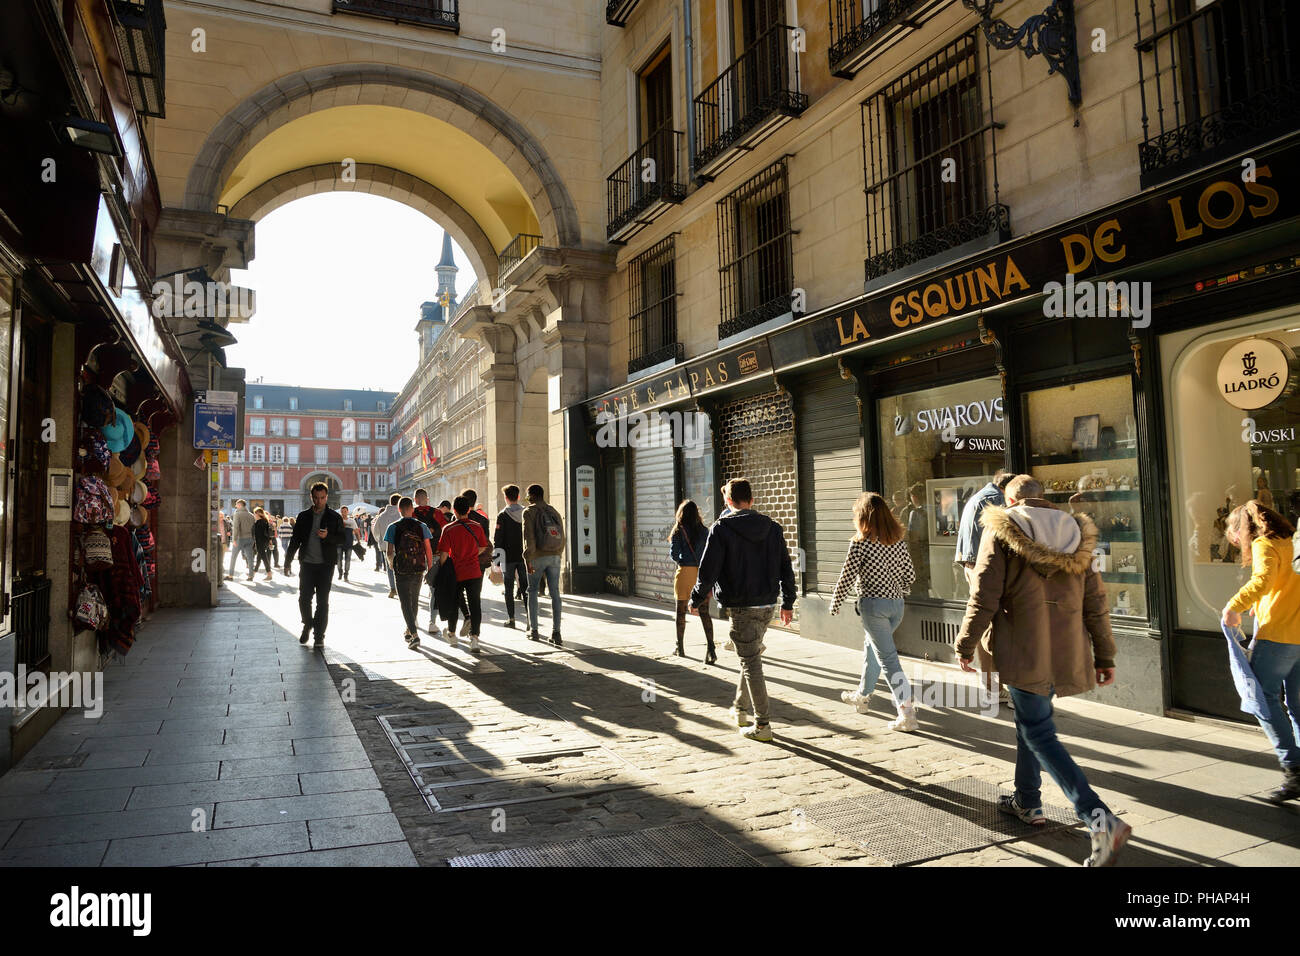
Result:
[{"x": 283, "y": 749}]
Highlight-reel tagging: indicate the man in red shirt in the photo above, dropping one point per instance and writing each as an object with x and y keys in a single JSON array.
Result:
[{"x": 463, "y": 541}]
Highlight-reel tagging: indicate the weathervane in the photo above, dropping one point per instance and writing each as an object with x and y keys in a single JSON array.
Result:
[{"x": 1050, "y": 33}]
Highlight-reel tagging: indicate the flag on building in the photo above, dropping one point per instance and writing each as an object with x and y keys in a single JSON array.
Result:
[{"x": 426, "y": 451}]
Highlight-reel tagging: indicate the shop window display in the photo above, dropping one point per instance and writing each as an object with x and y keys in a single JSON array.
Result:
[
  {"x": 1234, "y": 423},
  {"x": 938, "y": 447},
  {"x": 1083, "y": 448}
]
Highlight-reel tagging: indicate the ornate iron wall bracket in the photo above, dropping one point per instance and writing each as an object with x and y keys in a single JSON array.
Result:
[{"x": 1050, "y": 33}]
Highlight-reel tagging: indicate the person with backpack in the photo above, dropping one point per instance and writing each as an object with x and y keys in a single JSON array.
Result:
[
  {"x": 543, "y": 549},
  {"x": 878, "y": 571},
  {"x": 464, "y": 542},
  {"x": 685, "y": 545},
  {"x": 410, "y": 554},
  {"x": 508, "y": 540},
  {"x": 747, "y": 558},
  {"x": 434, "y": 520},
  {"x": 1268, "y": 549}
]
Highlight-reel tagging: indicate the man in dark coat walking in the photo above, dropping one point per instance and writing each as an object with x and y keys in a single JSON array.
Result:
[{"x": 318, "y": 533}]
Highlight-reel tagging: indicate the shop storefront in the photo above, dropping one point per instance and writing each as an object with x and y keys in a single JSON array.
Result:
[{"x": 1092, "y": 356}]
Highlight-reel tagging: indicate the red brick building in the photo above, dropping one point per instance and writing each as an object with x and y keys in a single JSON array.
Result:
[{"x": 294, "y": 437}]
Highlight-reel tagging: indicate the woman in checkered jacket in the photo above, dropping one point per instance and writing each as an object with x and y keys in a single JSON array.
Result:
[{"x": 878, "y": 572}]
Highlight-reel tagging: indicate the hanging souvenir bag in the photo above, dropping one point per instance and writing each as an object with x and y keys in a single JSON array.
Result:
[
  {"x": 92, "y": 610},
  {"x": 98, "y": 549},
  {"x": 94, "y": 504}
]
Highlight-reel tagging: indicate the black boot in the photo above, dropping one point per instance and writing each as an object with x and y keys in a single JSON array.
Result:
[
  {"x": 306, "y": 633},
  {"x": 711, "y": 655},
  {"x": 1290, "y": 788},
  {"x": 680, "y": 652}
]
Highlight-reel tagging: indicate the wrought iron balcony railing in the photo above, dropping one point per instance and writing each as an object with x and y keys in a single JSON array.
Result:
[
  {"x": 515, "y": 253},
  {"x": 644, "y": 185},
  {"x": 141, "y": 33},
  {"x": 862, "y": 28},
  {"x": 1214, "y": 80},
  {"x": 750, "y": 99},
  {"x": 442, "y": 14},
  {"x": 617, "y": 12}
]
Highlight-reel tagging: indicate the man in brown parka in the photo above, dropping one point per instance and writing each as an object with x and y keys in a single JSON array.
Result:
[{"x": 1035, "y": 584}]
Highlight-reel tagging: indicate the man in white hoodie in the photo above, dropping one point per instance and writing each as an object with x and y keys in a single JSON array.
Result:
[
  {"x": 508, "y": 549},
  {"x": 1035, "y": 586},
  {"x": 390, "y": 515}
]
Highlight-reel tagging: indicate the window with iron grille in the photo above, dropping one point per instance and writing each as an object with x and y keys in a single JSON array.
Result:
[
  {"x": 652, "y": 298},
  {"x": 1216, "y": 77},
  {"x": 755, "y": 251},
  {"x": 930, "y": 160}
]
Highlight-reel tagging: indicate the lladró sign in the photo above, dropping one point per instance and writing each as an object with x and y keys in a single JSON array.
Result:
[{"x": 1256, "y": 373}]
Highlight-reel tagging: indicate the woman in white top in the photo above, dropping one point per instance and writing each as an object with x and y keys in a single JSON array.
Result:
[{"x": 878, "y": 571}]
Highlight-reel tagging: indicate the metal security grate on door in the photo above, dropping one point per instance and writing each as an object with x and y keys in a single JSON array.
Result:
[{"x": 756, "y": 441}]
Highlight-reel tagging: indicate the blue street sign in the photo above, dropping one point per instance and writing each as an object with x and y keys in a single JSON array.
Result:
[{"x": 214, "y": 426}]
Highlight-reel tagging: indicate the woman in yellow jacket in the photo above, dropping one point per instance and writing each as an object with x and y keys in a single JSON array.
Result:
[{"x": 1264, "y": 537}]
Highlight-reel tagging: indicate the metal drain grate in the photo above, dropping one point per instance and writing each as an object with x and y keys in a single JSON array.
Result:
[
  {"x": 63, "y": 762},
  {"x": 490, "y": 755},
  {"x": 911, "y": 826},
  {"x": 683, "y": 844}
]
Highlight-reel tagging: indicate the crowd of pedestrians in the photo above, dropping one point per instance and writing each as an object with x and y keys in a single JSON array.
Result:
[{"x": 1036, "y": 626}]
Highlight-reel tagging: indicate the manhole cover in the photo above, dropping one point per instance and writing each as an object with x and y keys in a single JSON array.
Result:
[
  {"x": 912, "y": 826},
  {"x": 685, "y": 844},
  {"x": 491, "y": 755}
]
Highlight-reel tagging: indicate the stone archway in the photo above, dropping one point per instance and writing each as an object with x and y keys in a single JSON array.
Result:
[
  {"x": 281, "y": 101},
  {"x": 379, "y": 181},
  {"x": 331, "y": 479}
]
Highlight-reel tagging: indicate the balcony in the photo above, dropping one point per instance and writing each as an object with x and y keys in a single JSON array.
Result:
[
  {"x": 440, "y": 14},
  {"x": 750, "y": 99},
  {"x": 519, "y": 249},
  {"x": 645, "y": 185},
  {"x": 141, "y": 30},
  {"x": 617, "y": 12},
  {"x": 860, "y": 29},
  {"x": 1214, "y": 82}
]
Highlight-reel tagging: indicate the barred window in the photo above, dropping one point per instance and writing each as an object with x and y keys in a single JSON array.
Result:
[
  {"x": 930, "y": 156},
  {"x": 652, "y": 305},
  {"x": 755, "y": 251},
  {"x": 1215, "y": 78}
]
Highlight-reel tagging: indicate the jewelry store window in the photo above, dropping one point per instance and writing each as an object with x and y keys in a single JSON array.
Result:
[
  {"x": 1082, "y": 445},
  {"x": 938, "y": 447},
  {"x": 1234, "y": 422}
]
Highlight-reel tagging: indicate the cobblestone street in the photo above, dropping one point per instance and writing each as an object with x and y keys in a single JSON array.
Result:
[{"x": 222, "y": 714}]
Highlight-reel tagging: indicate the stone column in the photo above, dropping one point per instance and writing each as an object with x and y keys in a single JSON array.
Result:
[{"x": 183, "y": 521}]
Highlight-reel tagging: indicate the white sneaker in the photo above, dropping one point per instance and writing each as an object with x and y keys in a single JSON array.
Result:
[
  {"x": 740, "y": 718},
  {"x": 464, "y": 629},
  {"x": 1107, "y": 841},
  {"x": 905, "y": 722},
  {"x": 451, "y": 637},
  {"x": 761, "y": 732},
  {"x": 858, "y": 701},
  {"x": 729, "y": 646},
  {"x": 473, "y": 644}
]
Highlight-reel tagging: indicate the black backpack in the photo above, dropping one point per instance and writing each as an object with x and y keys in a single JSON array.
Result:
[{"x": 408, "y": 547}]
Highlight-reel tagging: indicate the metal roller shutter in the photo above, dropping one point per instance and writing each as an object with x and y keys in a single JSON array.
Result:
[
  {"x": 830, "y": 474},
  {"x": 756, "y": 441},
  {"x": 654, "y": 505}
]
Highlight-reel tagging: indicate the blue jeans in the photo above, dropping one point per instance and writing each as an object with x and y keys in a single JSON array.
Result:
[
  {"x": 881, "y": 617},
  {"x": 1277, "y": 666},
  {"x": 549, "y": 565},
  {"x": 1037, "y": 747}
]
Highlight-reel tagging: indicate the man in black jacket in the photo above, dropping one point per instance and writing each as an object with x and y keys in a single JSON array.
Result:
[
  {"x": 747, "y": 558},
  {"x": 508, "y": 542},
  {"x": 318, "y": 533}
]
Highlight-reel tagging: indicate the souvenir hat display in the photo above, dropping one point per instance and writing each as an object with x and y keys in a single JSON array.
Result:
[
  {"x": 138, "y": 516},
  {"x": 93, "y": 450},
  {"x": 122, "y": 514},
  {"x": 134, "y": 450},
  {"x": 119, "y": 433},
  {"x": 138, "y": 493}
]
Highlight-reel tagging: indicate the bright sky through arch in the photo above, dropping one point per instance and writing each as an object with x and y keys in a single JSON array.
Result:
[{"x": 340, "y": 277}]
